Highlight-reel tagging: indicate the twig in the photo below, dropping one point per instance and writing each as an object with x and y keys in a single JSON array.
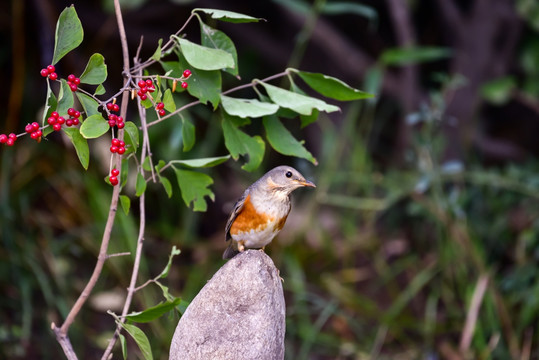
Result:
[
  {"x": 473, "y": 313},
  {"x": 118, "y": 254}
]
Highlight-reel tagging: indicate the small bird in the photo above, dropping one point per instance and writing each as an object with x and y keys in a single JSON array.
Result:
[{"x": 261, "y": 212}]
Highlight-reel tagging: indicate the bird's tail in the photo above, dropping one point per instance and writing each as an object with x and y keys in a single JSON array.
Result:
[{"x": 230, "y": 252}]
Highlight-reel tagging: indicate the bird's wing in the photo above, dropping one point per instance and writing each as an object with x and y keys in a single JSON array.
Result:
[{"x": 238, "y": 207}]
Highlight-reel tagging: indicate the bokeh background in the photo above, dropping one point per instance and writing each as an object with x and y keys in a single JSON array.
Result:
[{"x": 421, "y": 240}]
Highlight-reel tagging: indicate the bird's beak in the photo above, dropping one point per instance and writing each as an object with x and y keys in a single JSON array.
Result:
[{"x": 306, "y": 183}]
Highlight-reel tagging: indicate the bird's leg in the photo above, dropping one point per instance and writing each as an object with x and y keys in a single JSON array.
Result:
[
  {"x": 241, "y": 246},
  {"x": 262, "y": 249}
]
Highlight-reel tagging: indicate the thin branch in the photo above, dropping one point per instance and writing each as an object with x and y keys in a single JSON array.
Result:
[{"x": 473, "y": 313}]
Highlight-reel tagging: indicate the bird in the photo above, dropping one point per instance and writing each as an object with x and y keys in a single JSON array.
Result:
[{"x": 261, "y": 212}]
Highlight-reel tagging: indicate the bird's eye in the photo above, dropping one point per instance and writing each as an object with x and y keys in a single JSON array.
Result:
[{"x": 288, "y": 174}]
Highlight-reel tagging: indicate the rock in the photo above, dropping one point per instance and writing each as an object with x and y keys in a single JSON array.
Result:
[{"x": 238, "y": 315}]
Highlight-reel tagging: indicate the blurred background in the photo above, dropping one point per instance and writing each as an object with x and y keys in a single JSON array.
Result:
[{"x": 421, "y": 240}]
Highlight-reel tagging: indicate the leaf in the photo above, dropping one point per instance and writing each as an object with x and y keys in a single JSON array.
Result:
[
  {"x": 217, "y": 39},
  {"x": 413, "y": 55},
  {"x": 125, "y": 201},
  {"x": 204, "y": 58},
  {"x": 88, "y": 103},
  {"x": 499, "y": 91},
  {"x": 331, "y": 87},
  {"x": 175, "y": 251},
  {"x": 188, "y": 134},
  {"x": 140, "y": 186},
  {"x": 194, "y": 187},
  {"x": 123, "y": 344},
  {"x": 228, "y": 16},
  {"x": 50, "y": 104},
  {"x": 301, "y": 104},
  {"x": 247, "y": 108},
  {"x": 166, "y": 184},
  {"x": 96, "y": 70},
  {"x": 132, "y": 134},
  {"x": 239, "y": 143},
  {"x": 140, "y": 338},
  {"x": 65, "y": 98},
  {"x": 81, "y": 146},
  {"x": 157, "y": 54},
  {"x": 153, "y": 312},
  {"x": 282, "y": 140},
  {"x": 168, "y": 101},
  {"x": 68, "y": 35},
  {"x": 203, "y": 162},
  {"x": 94, "y": 126},
  {"x": 100, "y": 90}
]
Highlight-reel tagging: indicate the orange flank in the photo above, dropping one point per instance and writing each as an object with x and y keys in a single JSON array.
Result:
[
  {"x": 279, "y": 225},
  {"x": 248, "y": 219}
]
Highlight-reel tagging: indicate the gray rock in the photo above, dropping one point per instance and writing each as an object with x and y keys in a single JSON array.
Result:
[{"x": 238, "y": 315}]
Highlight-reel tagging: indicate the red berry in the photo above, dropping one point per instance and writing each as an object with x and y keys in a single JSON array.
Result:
[
  {"x": 113, "y": 180},
  {"x": 10, "y": 142},
  {"x": 51, "y": 69},
  {"x": 69, "y": 122},
  {"x": 184, "y": 85},
  {"x": 151, "y": 88},
  {"x": 70, "y": 111},
  {"x": 186, "y": 73},
  {"x": 35, "y": 126},
  {"x": 120, "y": 125},
  {"x": 28, "y": 128},
  {"x": 121, "y": 150},
  {"x": 44, "y": 72},
  {"x": 149, "y": 82},
  {"x": 109, "y": 106},
  {"x": 61, "y": 120},
  {"x": 115, "y": 172},
  {"x": 121, "y": 143},
  {"x": 3, "y": 138},
  {"x": 119, "y": 119},
  {"x": 75, "y": 121},
  {"x": 53, "y": 76},
  {"x": 113, "y": 117},
  {"x": 51, "y": 120},
  {"x": 114, "y": 149},
  {"x": 162, "y": 112},
  {"x": 73, "y": 87},
  {"x": 112, "y": 123},
  {"x": 39, "y": 133},
  {"x": 34, "y": 135},
  {"x": 115, "y": 142},
  {"x": 143, "y": 97},
  {"x": 57, "y": 127},
  {"x": 76, "y": 81},
  {"x": 160, "y": 106},
  {"x": 143, "y": 91},
  {"x": 55, "y": 114},
  {"x": 115, "y": 107},
  {"x": 76, "y": 114},
  {"x": 71, "y": 78},
  {"x": 142, "y": 84},
  {"x": 12, "y": 136}
]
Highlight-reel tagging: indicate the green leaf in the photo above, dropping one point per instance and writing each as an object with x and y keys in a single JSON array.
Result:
[
  {"x": 140, "y": 338},
  {"x": 125, "y": 201},
  {"x": 166, "y": 184},
  {"x": 168, "y": 101},
  {"x": 499, "y": 91},
  {"x": 175, "y": 251},
  {"x": 81, "y": 146},
  {"x": 217, "y": 39},
  {"x": 123, "y": 345},
  {"x": 65, "y": 98},
  {"x": 100, "y": 90},
  {"x": 140, "y": 186},
  {"x": 282, "y": 140},
  {"x": 203, "y": 162},
  {"x": 194, "y": 187},
  {"x": 88, "y": 103},
  {"x": 247, "y": 108},
  {"x": 301, "y": 104},
  {"x": 204, "y": 58},
  {"x": 158, "y": 53},
  {"x": 96, "y": 70},
  {"x": 228, "y": 16},
  {"x": 153, "y": 312},
  {"x": 69, "y": 33},
  {"x": 331, "y": 87},
  {"x": 94, "y": 126},
  {"x": 188, "y": 134},
  {"x": 413, "y": 55},
  {"x": 132, "y": 134},
  {"x": 239, "y": 143}
]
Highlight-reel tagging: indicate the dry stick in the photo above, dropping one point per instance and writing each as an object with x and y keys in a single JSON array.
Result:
[{"x": 473, "y": 313}]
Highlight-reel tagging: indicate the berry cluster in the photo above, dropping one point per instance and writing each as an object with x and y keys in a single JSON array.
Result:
[
  {"x": 115, "y": 120},
  {"x": 117, "y": 146},
  {"x": 34, "y": 131},
  {"x": 50, "y": 72},
  {"x": 160, "y": 107},
  {"x": 9, "y": 140},
  {"x": 73, "y": 82},
  {"x": 56, "y": 121},
  {"x": 145, "y": 87},
  {"x": 113, "y": 177}
]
